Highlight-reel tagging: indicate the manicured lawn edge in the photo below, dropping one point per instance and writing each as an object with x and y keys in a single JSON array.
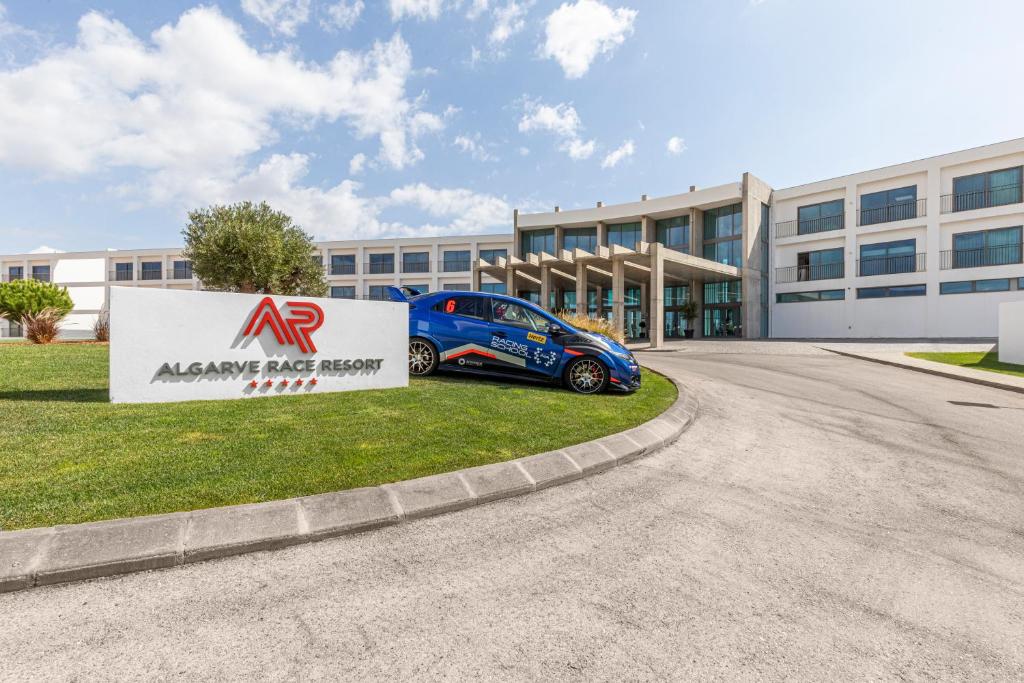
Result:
[
  {"x": 43, "y": 556},
  {"x": 974, "y": 360}
]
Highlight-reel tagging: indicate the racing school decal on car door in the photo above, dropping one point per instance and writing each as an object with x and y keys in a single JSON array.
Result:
[{"x": 464, "y": 354}]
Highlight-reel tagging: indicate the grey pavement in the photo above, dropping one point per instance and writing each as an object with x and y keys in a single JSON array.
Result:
[{"x": 825, "y": 517}]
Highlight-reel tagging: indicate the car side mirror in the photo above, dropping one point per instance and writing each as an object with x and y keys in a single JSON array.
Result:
[{"x": 554, "y": 329}]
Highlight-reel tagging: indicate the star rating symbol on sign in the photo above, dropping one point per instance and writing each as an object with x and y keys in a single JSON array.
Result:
[
  {"x": 298, "y": 382},
  {"x": 312, "y": 381},
  {"x": 284, "y": 383},
  {"x": 269, "y": 383},
  {"x": 254, "y": 384}
]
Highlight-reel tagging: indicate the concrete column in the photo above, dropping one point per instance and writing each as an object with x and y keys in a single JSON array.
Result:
[
  {"x": 618, "y": 295},
  {"x": 648, "y": 231},
  {"x": 581, "y": 288},
  {"x": 932, "y": 247},
  {"x": 475, "y": 286},
  {"x": 545, "y": 288},
  {"x": 602, "y": 234},
  {"x": 559, "y": 239},
  {"x": 600, "y": 301},
  {"x": 656, "y": 317},
  {"x": 398, "y": 266},
  {"x": 510, "y": 281},
  {"x": 515, "y": 235}
]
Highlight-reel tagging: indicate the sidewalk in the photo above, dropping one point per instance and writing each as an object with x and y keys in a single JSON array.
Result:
[{"x": 900, "y": 359}]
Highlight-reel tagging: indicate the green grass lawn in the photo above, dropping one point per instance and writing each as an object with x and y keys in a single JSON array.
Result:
[
  {"x": 70, "y": 456},
  {"x": 978, "y": 360}
]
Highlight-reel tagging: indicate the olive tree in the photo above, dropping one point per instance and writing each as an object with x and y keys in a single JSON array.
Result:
[{"x": 248, "y": 247}]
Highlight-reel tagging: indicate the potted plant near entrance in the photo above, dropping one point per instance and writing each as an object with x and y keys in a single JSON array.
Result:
[{"x": 689, "y": 312}]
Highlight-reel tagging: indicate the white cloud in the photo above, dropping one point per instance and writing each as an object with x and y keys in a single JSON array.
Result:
[
  {"x": 577, "y": 33},
  {"x": 43, "y": 249},
  {"x": 473, "y": 146},
  {"x": 357, "y": 164},
  {"x": 524, "y": 151},
  {"x": 190, "y": 107},
  {"x": 508, "y": 21},
  {"x": 676, "y": 145},
  {"x": 615, "y": 156},
  {"x": 340, "y": 212},
  {"x": 477, "y": 8},
  {"x": 418, "y": 9},
  {"x": 342, "y": 15},
  {"x": 280, "y": 16},
  {"x": 561, "y": 120}
]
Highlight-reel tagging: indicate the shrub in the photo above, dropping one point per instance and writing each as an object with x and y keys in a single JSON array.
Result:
[
  {"x": 598, "y": 325},
  {"x": 101, "y": 328},
  {"x": 42, "y": 327},
  {"x": 31, "y": 297}
]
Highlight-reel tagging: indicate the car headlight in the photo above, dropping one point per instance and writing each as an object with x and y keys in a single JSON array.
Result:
[{"x": 628, "y": 357}]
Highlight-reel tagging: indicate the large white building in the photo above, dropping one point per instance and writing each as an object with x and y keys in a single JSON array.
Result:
[{"x": 927, "y": 248}]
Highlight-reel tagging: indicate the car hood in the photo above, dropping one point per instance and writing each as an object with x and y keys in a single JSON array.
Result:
[{"x": 605, "y": 342}]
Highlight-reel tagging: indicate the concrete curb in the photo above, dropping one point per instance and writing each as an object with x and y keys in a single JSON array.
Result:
[
  {"x": 994, "y": 383},
  {"x": 44, "y": 556}
]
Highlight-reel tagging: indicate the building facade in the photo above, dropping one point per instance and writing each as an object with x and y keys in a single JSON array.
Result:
[
  {"x": 927, "y": 248},
  {"x": 360, "y": 269}
]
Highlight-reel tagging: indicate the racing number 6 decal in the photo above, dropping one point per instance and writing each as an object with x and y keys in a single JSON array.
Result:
[{"x": 449, "y": 307}]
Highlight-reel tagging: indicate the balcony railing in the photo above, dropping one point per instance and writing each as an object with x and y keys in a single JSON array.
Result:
[
  {"x": 41, "y": 277},
  {"x": 978, "y": 258},
  {"x": 809, "y": 226},
  {"x": 981, "y": 199},
  {"x": 891, "y": 265},
  {"x": 373, "y": 268},
  {"x": 893, "y": 212},
  {"x": 823, "y": 271},
  {"x": 6, "y": 277},
  {"x": 415, "y": 266},
  {"x": 151, "y": 274},
  {"x": 121, "y": 276},
  {"x": 343, "y": 269},
  {"x": 181, "y": 274},
  {"x": 457, "y": 266}
]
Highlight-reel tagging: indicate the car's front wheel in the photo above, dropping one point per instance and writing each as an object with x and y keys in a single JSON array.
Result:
[
  {"x": 422, "y": 357},
  {"x": 586, "y": 375}
]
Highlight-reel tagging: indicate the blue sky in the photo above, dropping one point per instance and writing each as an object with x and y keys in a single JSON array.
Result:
[{"x": 405, "y": 117}]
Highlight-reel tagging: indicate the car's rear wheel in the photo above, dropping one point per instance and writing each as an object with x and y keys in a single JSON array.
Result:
[
  {"x": 422, "y": 357},
  {"x": 586, "y": 375}
]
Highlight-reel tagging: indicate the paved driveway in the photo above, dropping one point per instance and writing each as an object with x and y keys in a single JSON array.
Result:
[{"x": 825, "y": 517}]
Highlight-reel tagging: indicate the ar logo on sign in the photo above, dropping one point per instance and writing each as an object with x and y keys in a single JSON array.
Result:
[{"x": 304, "y": 319}]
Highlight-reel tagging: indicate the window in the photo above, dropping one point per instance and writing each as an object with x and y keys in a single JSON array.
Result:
[
  {"x": 800, "y": 297},
  {"x": 624, "y": 234},
  {"x": 15, "y": 273},
  {"x": 422, "y": 289},
  {"x": 725, "y": 221},
  {"x": 493, "y": 287},
  {"x": 985, "y": 248},
  {"x": 343, "y": 292},
  {"x": 729, "y": 252},
  {"x": 824, "y": 264},
  {"x": 492, "y": 255},
  {"x": 888, "y": 205},
  {"x": 569, "y": 300},
  {"x": 457, "y": 287},
  {"x": 151, "y": 270},
  {"x": 1020, "y": 283},
  {"x": 343, "y": 264},
  {"x": 722, "y": 292},
  {"x": 378, "y": 293},
  {"x": 41, "y": 273},
  {"x": 889, "y": 292},
  {"x": 416, "y": 262},
  {"x": 317, "y": 259},
  {"x": 674, "y": 233},
  {"x": 580, "y": 238},
  {"x": 885, "y": 258},
  {"x": 456, "y": 261},
  {"x": 508, "y": 313},
  {"x": 122, "y": 272},
  {"x": 465, "y": 306},
  {"x": 676, "y": 295},
  {"x": 982, "y": 190},
  {"x": 537, "y": 241},
  {"x": 969, "y": 286},
  {"x": 381, "y": 263},
  {"x": 14, "y": 329},
  {"x": 182, "y": 270},
  {"x": 820, "y": 217}
]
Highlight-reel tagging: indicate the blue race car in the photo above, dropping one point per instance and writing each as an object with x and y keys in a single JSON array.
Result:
[{"x": 499, "y": 335}]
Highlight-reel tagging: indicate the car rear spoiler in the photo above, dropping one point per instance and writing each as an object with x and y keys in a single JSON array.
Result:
[{"x": 402, "y": 294}]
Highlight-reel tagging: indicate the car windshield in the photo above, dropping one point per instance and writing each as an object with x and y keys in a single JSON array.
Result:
[{"x": 516, "y": 315}]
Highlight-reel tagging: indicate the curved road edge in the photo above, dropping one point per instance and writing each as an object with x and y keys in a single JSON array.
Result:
[{"x": 51, "y": 555}]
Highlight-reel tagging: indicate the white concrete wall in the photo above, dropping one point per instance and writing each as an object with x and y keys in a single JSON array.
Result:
[
  {"x": 810, "y": 319},
  {"x": 1011, "y": 332}
]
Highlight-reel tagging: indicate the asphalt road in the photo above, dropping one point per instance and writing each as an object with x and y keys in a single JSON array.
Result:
[{"x": 824, "y": 518}]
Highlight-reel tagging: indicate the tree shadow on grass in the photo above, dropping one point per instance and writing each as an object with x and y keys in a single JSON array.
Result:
[{"x": 66, "y": 395}]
